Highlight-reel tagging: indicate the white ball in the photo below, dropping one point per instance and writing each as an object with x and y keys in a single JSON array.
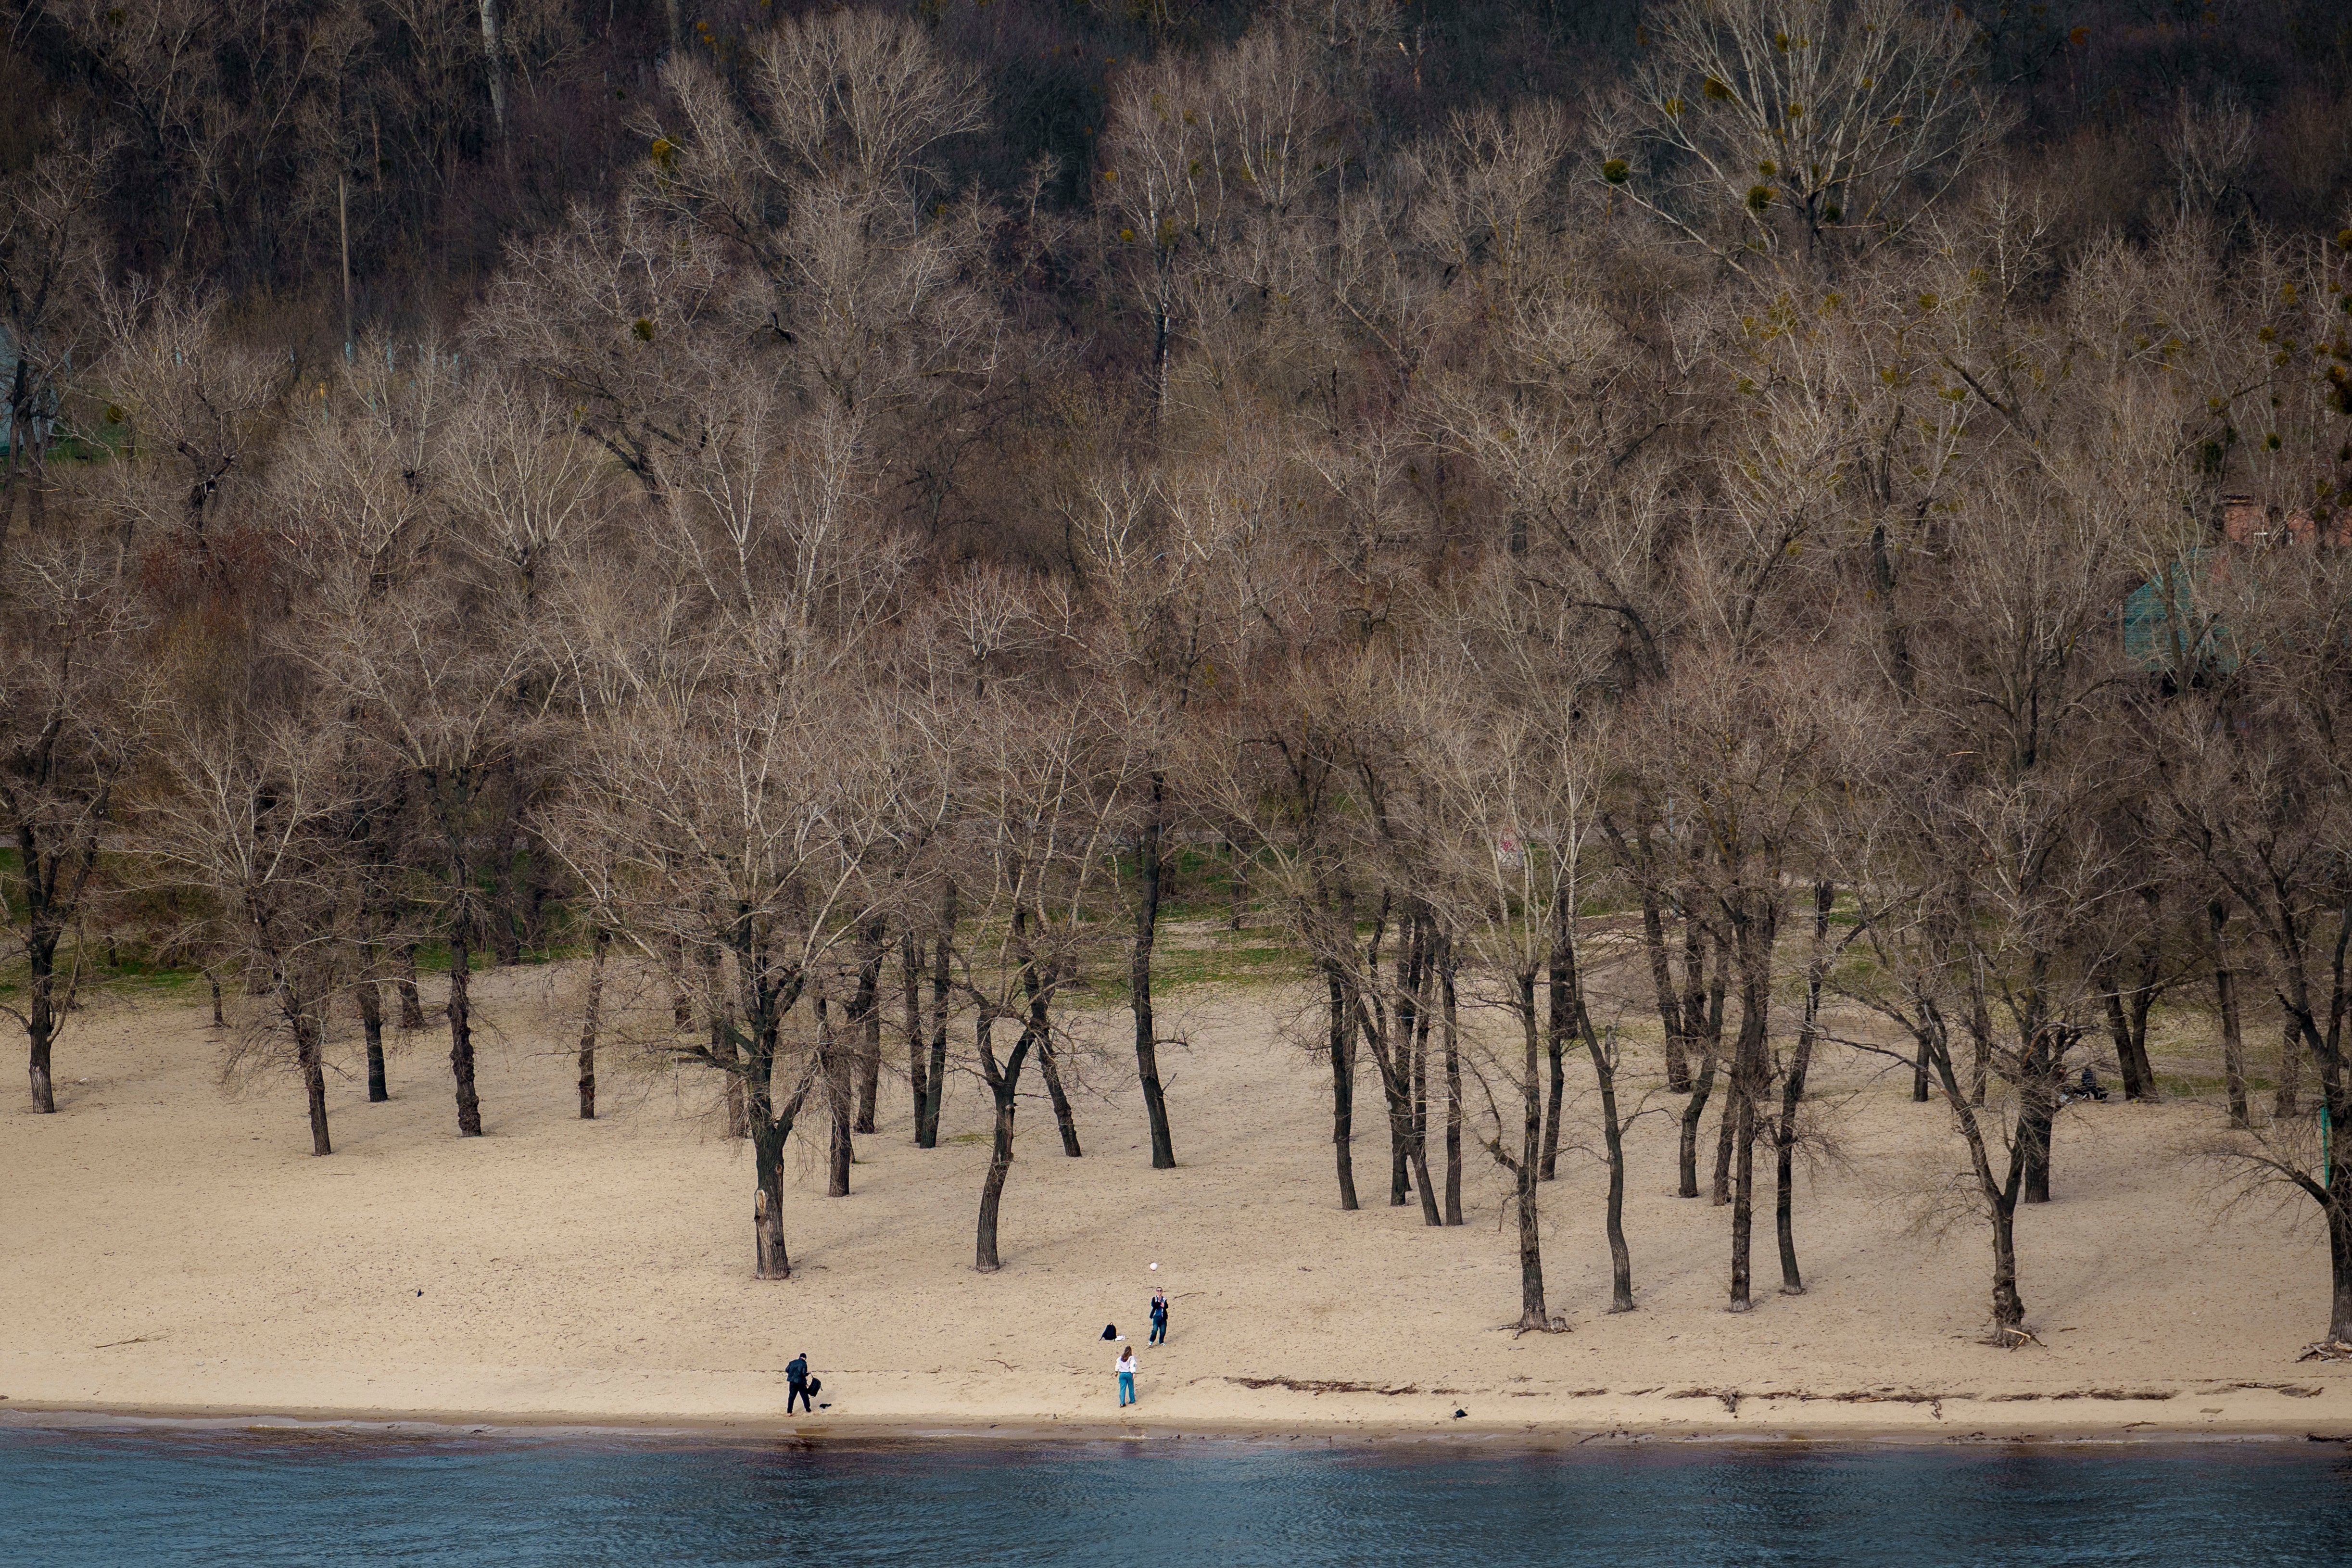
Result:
[{"x": 1155, "y": 1265}]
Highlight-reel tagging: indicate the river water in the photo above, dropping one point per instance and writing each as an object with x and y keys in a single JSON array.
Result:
[{"x": 143, "y": 1497}]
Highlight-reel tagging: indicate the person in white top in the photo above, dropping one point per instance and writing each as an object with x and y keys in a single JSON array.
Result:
[{"x": 1126, "y": 1377}]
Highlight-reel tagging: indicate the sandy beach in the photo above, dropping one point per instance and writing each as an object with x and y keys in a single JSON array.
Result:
[{"x": 170, "y": 1249}]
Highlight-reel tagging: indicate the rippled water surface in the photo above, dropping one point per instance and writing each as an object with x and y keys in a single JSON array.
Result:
[{"x": 85, "y": 1497}]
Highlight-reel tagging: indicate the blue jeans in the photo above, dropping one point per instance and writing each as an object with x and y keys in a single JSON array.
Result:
[
  {"x": 1158, "y": 1331},
  {"x": 1126, "y": 1389}
]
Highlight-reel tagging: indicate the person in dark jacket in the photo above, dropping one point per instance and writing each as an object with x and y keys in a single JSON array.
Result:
[
  {"x": 1158, "y": 1317},
  {"x": 796, "y": 1384}
]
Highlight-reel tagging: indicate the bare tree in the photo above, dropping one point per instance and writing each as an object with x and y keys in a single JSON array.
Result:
[
  {"x": 197, "y": 404},
  {"x": 1215, "y": 187},
  {"x": 48, "y": 241},
  {"x": 1158, "y": 552},
  {"x": 1801, "y": 127},
  {"x": 439, "y": 674},
  {"x": 1037, "y": 821},
  {"x": 2252, "y": 784},
  {"x": 1515, "y": 817},
  {"x": 252, "y": 815},
  {"x": 740, "y": 816},
  {"x": 70, "y": 706}
]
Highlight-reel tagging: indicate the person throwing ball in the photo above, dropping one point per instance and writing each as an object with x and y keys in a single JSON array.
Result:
[{"x": 1158, "y": 1316}]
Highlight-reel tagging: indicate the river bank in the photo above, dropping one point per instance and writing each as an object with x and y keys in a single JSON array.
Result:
[{"x": 172, "y": 1250}]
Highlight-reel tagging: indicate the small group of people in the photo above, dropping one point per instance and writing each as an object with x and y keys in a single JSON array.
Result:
[
  {"x": 801, "y": 1387},
  {"x": 1126, "y": 1364}
]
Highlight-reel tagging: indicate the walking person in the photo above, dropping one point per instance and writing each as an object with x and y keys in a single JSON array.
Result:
[
  {"x": 796, "y": 1384},
  {"x": 1158, "y": 1316},
  {"x": 1126, "y": 1377}
]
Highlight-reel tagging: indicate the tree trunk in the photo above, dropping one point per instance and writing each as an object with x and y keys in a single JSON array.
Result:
[
  {"x": 843, "y": 1152},
  {"x": 412, "y": 1005},
  {"x": 1004, "y": 1084},
  {"x": 2033, "y": 1129},
  {"x": 1138, "y": 976},
  {"x": 1396, "y": 1077},
  {"x": 1919, "y": 1077},
  {"x": 1453, "y": 1093},
  {"x": 1531, "y": 1280},
  {"x": 1743, "y": 1203},
  {"x": 1750, "y": 1072},
  {"x": 2008, "y": 1306},
  {"x": 772, "y": 1124},
  {"x": 1980, "y": 1041},
  {"x": 219, "y": 1022},
  {"x": 2119, "y": 1034},
  {"x": 911, "y": 996},
  {"x": 1428, "y": 1190},
  {"x": 771, "y": 1259},
  {"x": 941, "y": 978},
  {"x": 1702, "y": 1006},
  {"x": 2037, "y": 1108},
  {"x": 1063, "y": 1117},
  {"x": 2000, "y": 1198},
  {"x": 2143, "y": 996},
  {"x": 1526, "y": 1169},
  {"x": 1726, "y": 1131},
  {"x": 1693, "y": 1109},
  {"x": 1754, "y": 933},
  {"x": 1341, "y": 1045},
  {"x": 869, "y": 1068},
  {"x": 1556, "y": 1028},
  {"x": 1422, "y": 1012},
  {"x": 1612, "y": 1133},
  {"x": 2335, "y": 1088},
  {"x": 991, "y": 1188},
  {"x": 1702, "y": 1012},
  {"x": 2135, "y": 1030},
  {"x": 461, "y": 1034},
  {"x": 371, "y": 999},
  {"x": 40, "y": 1018},
  {"x": 494, "y": 62},
  {"x": 307, "y": 1056},
  {"x": 591, "y": 1015},
  {"x": 2288, "y": 1101},
  {"x": 865, "y": 1020},
  {"x": 1792, "y": 1094},
  {"x": 2339, "y": 1253},
  {"x": 2225, "y": 997},
  {"x": 1400, "y": 1142},
  {"x": 834, "y": 1067},
  {"x": 1662, "y": 976}
]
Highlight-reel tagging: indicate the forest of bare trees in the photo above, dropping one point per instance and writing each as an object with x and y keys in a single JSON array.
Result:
[{"x": 1648, "y": 557}]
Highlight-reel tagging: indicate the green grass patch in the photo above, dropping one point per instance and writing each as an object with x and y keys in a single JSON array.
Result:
[{"x": 1233, "y": 958}]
